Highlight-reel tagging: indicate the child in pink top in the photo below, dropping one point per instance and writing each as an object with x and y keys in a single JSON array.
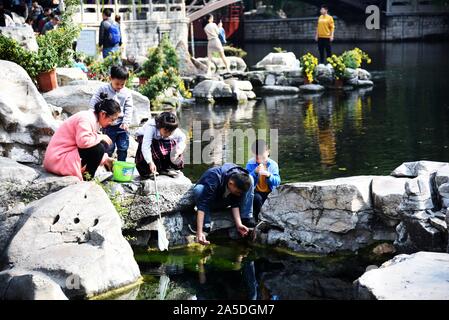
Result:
[{"x": 77, "y": 148}]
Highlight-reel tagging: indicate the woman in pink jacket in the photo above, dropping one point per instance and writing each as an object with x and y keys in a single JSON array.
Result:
[{"x": 77, "y": 148}]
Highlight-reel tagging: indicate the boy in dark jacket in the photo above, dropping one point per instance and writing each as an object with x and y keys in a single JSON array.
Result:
[{"x": 219, "y": 188}]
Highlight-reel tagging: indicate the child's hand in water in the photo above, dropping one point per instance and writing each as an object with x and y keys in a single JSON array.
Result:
[
  {"x": 201, "y": 238},
  {"x": 243, "y": 230}
]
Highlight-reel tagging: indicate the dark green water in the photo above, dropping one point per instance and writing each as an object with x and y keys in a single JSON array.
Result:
[
  {"x": 232, "y": 270},
  {"x": 403, "y": 118}
]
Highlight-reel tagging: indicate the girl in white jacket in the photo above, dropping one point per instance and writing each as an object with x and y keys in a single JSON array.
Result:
[{"x": 161, "y": 146}]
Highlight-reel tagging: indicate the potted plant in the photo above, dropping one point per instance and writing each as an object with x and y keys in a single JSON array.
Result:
[
  {"x": 339, "y": 69},
  {"x": 47, "y": 60},
  {"x": 353, "y": 58},
  {"x": 308, "y": 63}
]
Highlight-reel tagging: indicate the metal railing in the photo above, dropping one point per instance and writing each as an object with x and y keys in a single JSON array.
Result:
[
  {"x": 90, "y": 11},
  {"x": 414, "y": 6}
]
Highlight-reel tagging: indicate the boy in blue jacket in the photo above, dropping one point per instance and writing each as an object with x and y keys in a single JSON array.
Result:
[
  {"x": 265, "y": 173},
  {"x": 219, "y": 188}
]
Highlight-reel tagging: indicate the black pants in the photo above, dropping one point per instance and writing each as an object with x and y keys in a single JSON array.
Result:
[
  {"x": 259, "y": 199},
  {"x": 324, "y": 44},
  {"x": 91, "y": 158}
]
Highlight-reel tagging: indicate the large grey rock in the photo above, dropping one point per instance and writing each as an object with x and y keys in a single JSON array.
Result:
[
  {"x": 418, "y": 194},
  {"x": 186, "y": 67},
  {"x": 27, "y": 123},
  {"x": 422, "y": 226},
  {"x": 242, "y": 90},
  {"x": 212, "y": 90},
  {"x": 278, "y": 90},
  {"x": 25, "y": 285},
  {"x": 74, "y": 237},
  {"x": 139, "y": 200},
  {"x": 323, "y": 216},
  {"x": 23, "y": 34},
  {"x": 420, "y": 276},
  {"x": 364, "y": 83},
  {"x": 416, "y": 168},
  {"x": 362, "y": 74},
  {"x": 274, "y": 61},
  {"x": 443, "y": 191},
  {"x": 351, "y": 76},
  {"x": 422, "y": 230},
  {"x": 311, "y": 87},
  {"x": 388, "y": 193},
  {"x": 76, "y": 96},
  {"x": 239, "y": 85},
  {"x": 237, "y": 64},
  {"x": 257, "y": 78},
  {"x": 19, "y": 186},
  {"x": 442, "y": 175},
  {"x": 67, "y": 75},
  {"x": 177, "y": 230},
  {"x": 324, "y": 74}
]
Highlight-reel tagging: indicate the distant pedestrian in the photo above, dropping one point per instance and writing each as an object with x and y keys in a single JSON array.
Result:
[
  {"x": 36, "y": 12},
  {"x": 222, "y": 34},
  {"x": 110, "y": 38},
  {"x": 51, "y": 24},
  {"x": 44, "y": 18},
  {"x": 214, "y": 44},
  {"x": 325, "y": 33}
]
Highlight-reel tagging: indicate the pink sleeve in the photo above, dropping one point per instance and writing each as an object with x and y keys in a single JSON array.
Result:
[{"x": 86, "y": 137}]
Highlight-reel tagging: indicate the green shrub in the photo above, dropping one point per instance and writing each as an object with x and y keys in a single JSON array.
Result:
[
  {"x": 162, "y": 71},
  {"x": 279, "y": 50},
  {"x": 231, "y": 51},
  {"x": 354, "y": 58},
  {"x": 11, "y": 50}
]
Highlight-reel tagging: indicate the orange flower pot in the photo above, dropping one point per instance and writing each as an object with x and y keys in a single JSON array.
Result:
[
  {"x": 338, "y": 83},
  {"x": 47, "y": 81},
  {"x": 143, "y": 80}
]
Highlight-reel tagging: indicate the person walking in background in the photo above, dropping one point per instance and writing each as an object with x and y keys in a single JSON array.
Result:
[
  {"x": 52, "y": 24},
  {"x": 109, "y": 35},
  {"x": 325, "y": 33},
  {"x": 222, "y": 34},
  {"x": 36, "y": 12},
  {"x": 214, "y": 45},
  {"x": 44, "y": 18}
]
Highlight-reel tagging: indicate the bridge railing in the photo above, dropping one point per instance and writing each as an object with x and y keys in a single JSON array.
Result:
[
  {"x": 413, "y": 6},
  {"x": 90, "y": 11}
]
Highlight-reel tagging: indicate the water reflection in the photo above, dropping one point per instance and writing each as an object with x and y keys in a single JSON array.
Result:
[
  {"x": 310, "y": 129},
  {"x": 235, "y": 271}
]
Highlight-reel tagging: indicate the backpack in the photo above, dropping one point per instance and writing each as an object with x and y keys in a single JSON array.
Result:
[{"x": 114, "y": 34}]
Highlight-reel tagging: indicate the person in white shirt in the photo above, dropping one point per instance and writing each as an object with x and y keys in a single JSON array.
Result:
[
  {"x": 161, "y": 146},
  {"x": 214, "y": 44}
]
